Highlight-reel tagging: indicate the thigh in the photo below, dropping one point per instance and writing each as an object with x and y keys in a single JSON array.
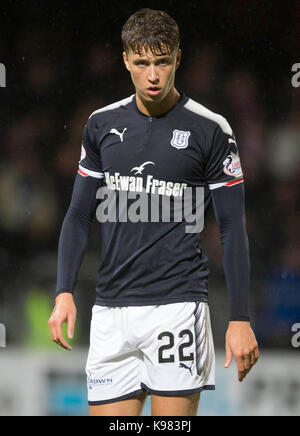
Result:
[
  {"x": 178, "y": 352},
  {"x": 114, "y": 367},
  {"x": 185, "y": 405},
  {"x": 130, "y": 407}
]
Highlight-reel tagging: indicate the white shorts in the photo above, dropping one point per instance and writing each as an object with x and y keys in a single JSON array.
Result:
[{"x": 164, "y": 350}]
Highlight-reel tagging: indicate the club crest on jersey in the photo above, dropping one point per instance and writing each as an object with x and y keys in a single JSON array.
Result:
[
  {"x": 232, "y": 165},
  {"x": 180, "y": 139}
]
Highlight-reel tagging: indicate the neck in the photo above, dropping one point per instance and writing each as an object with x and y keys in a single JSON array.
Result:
[{"x": 156, "y": 109}]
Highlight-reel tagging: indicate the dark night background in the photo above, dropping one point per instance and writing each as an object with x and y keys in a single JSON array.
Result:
[{"x": 63, "y": 61}]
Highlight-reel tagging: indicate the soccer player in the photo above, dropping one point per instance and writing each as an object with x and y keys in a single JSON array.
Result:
[{"x": 150, "y": 327}]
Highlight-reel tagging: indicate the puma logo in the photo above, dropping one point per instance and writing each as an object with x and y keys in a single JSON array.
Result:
[
  {"x": 183, "y": 365},
  {"x": 116, "y": 132}
]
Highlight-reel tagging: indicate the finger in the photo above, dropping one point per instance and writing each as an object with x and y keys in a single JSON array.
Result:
[
  {"x": 240, "y": 367},
  {"x": 253, "y": 359},
  {"x": 247, "y": 362},
  {"x": 241, "y": 375},
  {"x": 63, "y": 342},
  {"x": 60, "y": 340},
  {"x": 71, "y": 326},
  {"x": 52, "y": 330},
  {"x": 228, "y": 357}
]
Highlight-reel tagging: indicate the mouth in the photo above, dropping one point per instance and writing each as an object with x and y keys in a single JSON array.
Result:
[{"x": 153, "y": 90}]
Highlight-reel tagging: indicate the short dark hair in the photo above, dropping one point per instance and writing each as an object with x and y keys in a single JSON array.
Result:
[{"x": 150, "y": 30}]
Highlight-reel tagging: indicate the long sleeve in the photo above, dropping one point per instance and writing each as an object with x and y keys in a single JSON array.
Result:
[
  {"x": 75, "y": 232},
  {"x": 229, "y": 209}
]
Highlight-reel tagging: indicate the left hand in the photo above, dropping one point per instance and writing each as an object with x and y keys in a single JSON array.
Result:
[{"x": 241, "y": 343}]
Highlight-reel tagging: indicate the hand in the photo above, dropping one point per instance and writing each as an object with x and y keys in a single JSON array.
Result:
[
  {"x": 241, "y": 343},
  {"x": 64, "y": 311}
]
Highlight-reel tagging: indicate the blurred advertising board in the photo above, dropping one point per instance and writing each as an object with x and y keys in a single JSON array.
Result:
[{"x": 53, "y": 383}]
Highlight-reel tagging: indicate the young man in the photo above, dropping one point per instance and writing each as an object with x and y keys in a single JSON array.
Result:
[{"x": 150, "y": 329}]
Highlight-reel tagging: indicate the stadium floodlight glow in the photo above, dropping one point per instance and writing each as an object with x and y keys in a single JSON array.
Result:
[
  {"x": 2, "y": 336},
  {"x": 2, "y": 76}
]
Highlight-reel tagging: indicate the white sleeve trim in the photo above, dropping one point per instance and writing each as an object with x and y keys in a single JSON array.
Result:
[
  {"x": 199, "y": 109},
  {"x": 85, "y": 172},
  {"x": 228, "y": 184},
  {"x": 116, "y": 105}
]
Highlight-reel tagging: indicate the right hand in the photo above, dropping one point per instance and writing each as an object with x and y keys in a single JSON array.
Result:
[{"x": 64, "y": 311}]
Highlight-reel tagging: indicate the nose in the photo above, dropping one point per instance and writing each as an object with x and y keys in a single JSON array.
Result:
[{"x": 153, "y": 75}]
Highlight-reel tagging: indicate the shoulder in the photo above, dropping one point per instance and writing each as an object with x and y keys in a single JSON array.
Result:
[
  {"x": 102, "y": 119},
  {"x": 109, "y": 110},
  {"x": 207, "y": 117}
]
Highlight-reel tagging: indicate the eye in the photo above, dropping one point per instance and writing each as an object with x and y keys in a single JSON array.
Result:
[{"x": 163, "y": 62}]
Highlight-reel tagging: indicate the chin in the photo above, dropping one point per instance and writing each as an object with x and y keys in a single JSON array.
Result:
[{"x": 156, "y": 98}]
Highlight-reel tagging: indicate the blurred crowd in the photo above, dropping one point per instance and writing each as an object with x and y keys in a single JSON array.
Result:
[{"x": 51, "y": 91}]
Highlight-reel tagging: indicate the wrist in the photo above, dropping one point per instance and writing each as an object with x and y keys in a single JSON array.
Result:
[
  {"x": 239, "y": 318},
  {"x": 235, "y": 322},
  {"x": 67, "y": 296},
  {"x": 238, "y": 325}
]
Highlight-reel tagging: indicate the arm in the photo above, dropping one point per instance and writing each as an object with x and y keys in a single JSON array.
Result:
[
  {"x": 230, "y": 214},
  {"x": 72, "y": 244},
  {"x": 75, "y": 232}
]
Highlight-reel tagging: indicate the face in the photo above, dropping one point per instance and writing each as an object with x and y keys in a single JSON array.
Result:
[{"x": 152, "y": 75}]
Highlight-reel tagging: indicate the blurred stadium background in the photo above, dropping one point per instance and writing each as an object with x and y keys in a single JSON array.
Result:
[{"x": 63, "y": 61}]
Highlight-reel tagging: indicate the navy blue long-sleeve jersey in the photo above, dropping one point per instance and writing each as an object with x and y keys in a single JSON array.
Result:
[{"x": 150, "y": 261}]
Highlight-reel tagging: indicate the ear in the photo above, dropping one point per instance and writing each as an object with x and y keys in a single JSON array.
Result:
[
  {"x": 178, "y": 58},
  {"x": 125, "y": 59}
]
